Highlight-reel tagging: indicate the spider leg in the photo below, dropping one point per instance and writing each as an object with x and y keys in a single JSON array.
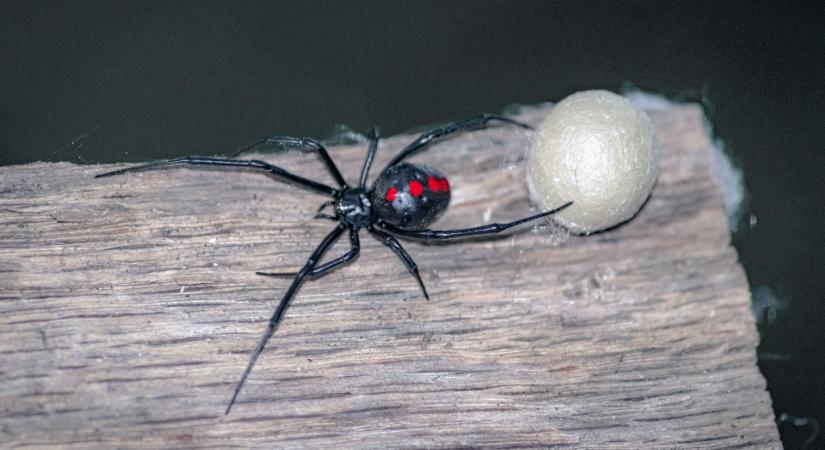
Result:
[
  {"x": 395, "y": 246},
  {"x": 318, "y": 271},
  {"x": 465, "y": 232},
  {"x": 222, "y": 162},
  {"x": 428, "y": 137},
  {"x": 362, "y": 180},
  {"x": 320, "y": 214},
  {"x": 305, "y": 142},
  {"x": 279, "y": 311}
]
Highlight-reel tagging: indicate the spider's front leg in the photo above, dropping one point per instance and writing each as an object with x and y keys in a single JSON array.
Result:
[
  {"x": 309, "y": 265},
  {"x": 300, "y": 142},
  {"x": 235, "y": 163},
  {"x": 320, "y": 213},
  {"x": 352, "y": 253}
]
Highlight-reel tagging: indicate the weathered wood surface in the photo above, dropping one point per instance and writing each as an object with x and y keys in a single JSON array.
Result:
[{"x": 129, "y": 308}]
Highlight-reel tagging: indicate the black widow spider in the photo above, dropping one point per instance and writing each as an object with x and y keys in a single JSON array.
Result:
[{"x": 403, "y": 200}]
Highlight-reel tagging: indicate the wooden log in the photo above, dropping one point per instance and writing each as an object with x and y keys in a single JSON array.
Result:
[{"x": 129, "y": 307}]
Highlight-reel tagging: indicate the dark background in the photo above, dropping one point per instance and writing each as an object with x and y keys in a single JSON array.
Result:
[{"x": 108, "y": 81}]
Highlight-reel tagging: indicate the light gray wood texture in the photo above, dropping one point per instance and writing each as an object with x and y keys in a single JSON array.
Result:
[{"x": 129, "y": 307}]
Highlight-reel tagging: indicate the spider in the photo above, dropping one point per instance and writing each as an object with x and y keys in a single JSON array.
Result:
[{"x": 403, "y": 200}]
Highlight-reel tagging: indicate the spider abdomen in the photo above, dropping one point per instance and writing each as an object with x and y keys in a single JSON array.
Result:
[{"x": 410, "y": 196}]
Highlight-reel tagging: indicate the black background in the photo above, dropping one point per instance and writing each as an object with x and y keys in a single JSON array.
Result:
[{"x": 111, "y": 81}]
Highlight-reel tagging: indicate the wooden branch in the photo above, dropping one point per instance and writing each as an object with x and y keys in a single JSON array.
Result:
[{"x": 129, "y": 307}]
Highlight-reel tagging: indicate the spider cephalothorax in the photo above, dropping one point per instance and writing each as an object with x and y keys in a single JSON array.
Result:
[
  {"x": 404, "y": 199},
  {"x": 355, "y": 208}
]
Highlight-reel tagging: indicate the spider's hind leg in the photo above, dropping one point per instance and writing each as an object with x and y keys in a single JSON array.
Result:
[
  {"x": 491, "y": 228},
  {"x": 478, "y": 122},
  {"x": 396, "y": 247}
]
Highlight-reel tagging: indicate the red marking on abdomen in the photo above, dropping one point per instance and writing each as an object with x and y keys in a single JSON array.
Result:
[
  {"x": 438, "y": 184},
  {"x": 391, "y": 194},
  {"x": 416, "y": 188}
]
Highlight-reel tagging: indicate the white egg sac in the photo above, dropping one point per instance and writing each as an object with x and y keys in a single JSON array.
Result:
[{"x": 595, "y": 148}]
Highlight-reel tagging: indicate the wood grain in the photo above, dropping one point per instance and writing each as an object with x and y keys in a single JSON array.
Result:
[{"x": 129, "y": 307}]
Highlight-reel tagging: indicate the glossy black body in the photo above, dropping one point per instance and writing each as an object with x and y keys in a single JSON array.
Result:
[
  {"x": 419, "y": 195},
  {"x": 355, "y": 208},
  {"x": 414, "y": 202}
]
